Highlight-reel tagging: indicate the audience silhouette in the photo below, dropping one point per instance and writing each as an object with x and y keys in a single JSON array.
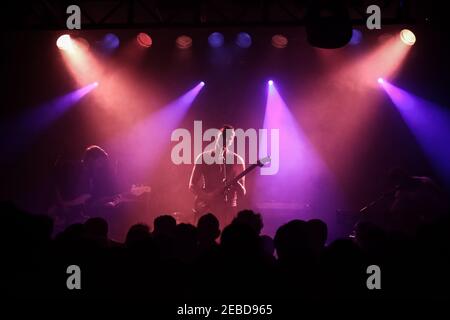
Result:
[{"x": 182, "y": 261}]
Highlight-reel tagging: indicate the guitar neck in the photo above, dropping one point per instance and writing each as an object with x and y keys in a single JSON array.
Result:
[{"x": 240, "y": 175}]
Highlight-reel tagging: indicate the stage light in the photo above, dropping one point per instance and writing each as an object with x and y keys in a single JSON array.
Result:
[
  {"x": 64, "y": 42},
  {"x": 184, "y": 42},
  {"x": 110, "y": 42},
  {"x": 270, "y": 82},
  {"x": 96, "y": 84},
  {"x": 144, "y": 40},
  {"x": 244, "y": 40},
  {"x": 279, "y": 41},
  {"x": 216, "y": 39},
  {"x": 202, "y": 83},
  {"x": 380, "y": 80},
  {"x": 408, "y": 37},
  {"x": 356, "y": 37}
]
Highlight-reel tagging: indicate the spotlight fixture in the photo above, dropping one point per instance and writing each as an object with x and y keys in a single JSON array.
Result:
[
  {"x": 279, "y": 41},
  {"x": 216, "y": 40},
  {"x": 380, "y": 80},
  {"x": 64, "y": 42},
  {"x": 184, "y": 42},
  {"x": 202, "y": 83},
  {"x": 243, "y": 40},
  {"x": 356, "y": 37},
  {"x": 270, "y": 82},
  {"x": 408, "y": 37},
  {"x": 110, "y": 42},
  {"x": 144, "y": 40}
]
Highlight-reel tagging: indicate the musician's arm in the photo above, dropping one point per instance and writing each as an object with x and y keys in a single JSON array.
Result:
[
  {"x": 241, "y": 183},
  {"x": 196, "y": 179}
]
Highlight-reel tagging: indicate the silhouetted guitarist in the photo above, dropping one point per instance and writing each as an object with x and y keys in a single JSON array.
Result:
[
  {"x": 94, "y": 191},
  {"x": 208, "y": 180}
]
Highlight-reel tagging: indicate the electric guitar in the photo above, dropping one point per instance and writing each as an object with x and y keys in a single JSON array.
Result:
[
  {"x": 202, "y": 204},
  {"x": 66, "y": 210}
]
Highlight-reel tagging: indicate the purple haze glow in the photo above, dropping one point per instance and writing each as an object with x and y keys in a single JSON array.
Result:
[
  {"x": 429, "y": 123},
  {"x": 303, "y": 178},
  {"x": 39, "y": 118},
  {"x": 151, "y": 136}
]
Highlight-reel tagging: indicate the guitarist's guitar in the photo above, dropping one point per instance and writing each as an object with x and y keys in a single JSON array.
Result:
[
  {"x": 64, "y": 211},
  {"x": 202, "y": 204}
]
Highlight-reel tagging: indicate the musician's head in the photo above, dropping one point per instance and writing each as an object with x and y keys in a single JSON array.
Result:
[
  {"x": 225, "y": 137},
  {"x": 95, "y": 157}
]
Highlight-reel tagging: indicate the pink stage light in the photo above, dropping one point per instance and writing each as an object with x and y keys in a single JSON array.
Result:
[{"x": 144, "y": 40}]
